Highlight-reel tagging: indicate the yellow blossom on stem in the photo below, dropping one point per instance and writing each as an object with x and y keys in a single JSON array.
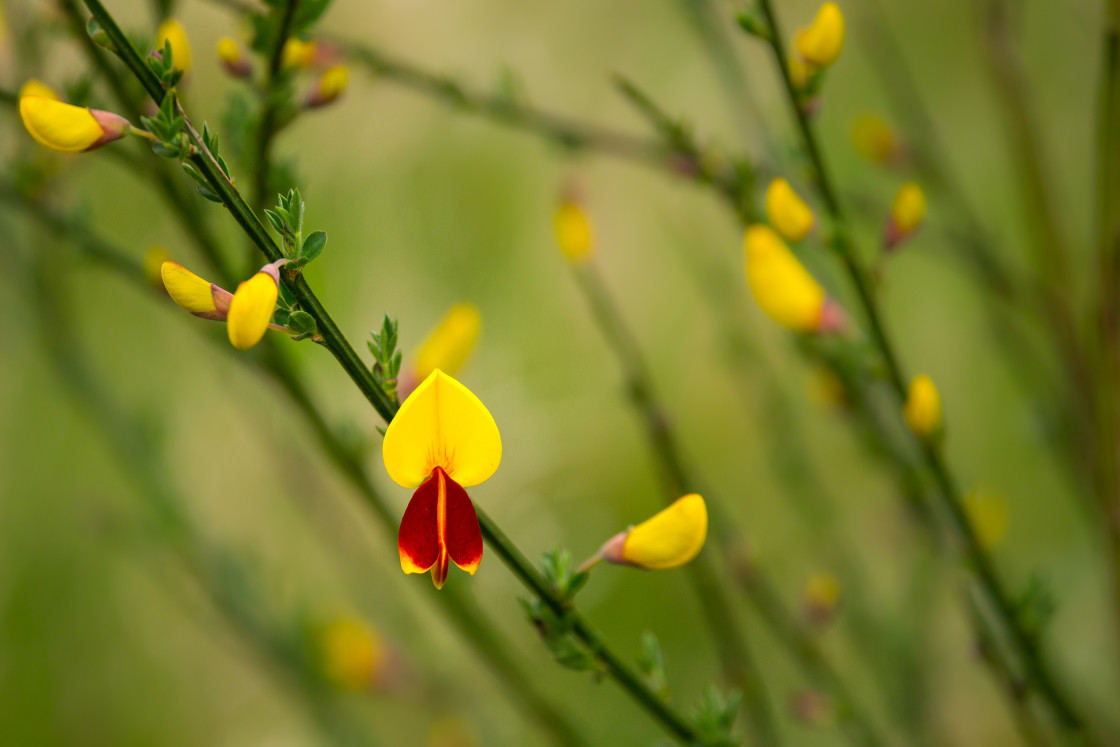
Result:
[
  {"x": 668, "y": 539},
  {"x": 875, "y": 140},
  {"x": 783, "y": 288},
  {"x": 787, "y": 212},
  {"x": 922, "y": 410},
  {"x": 233, "y": 59},
  {"x": 822, "y": 41},
  {"x": 353, "y": 656},
  {"x": 247, "y": 313},
  {"x": 442, "y": 440},
  {"x": 573, "y": 229},
  {"x": 172, "y": 32},
  {"x": 298, "y": 52},
  {"x": 908, "y": 209},
  {"x": 329, "y": 87},
  {"x": 68, "y": 129},
  {"x": 822, "y": 593},
  {"x": 448, "y": 346},
  {"x": 988, "y": 514}
]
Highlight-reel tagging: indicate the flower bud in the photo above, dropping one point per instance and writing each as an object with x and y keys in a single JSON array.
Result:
[
  {"x": 353, "y": 656},
  {"x": 250, "y": 310},
  {"x": 668, "y": 539},
  {"x": 908, "y": 209},
  {"x": 987, "y": 513},
  {"x": 822, "y": 592},
  {"x": 200, "y": 297},
  {"x": 922, "y": 410},
  {"x": 449, "y": 345},
  {"x": 874, "y": 139},
  {"x": 784, "y": 289},
  {"x": 787, "y": 212},
  {"x": 573, "y": 230},
  {"x": 69, "y": 129},
  {"x": 171, "y": 31},
  {"x": 233, "y": 61},
  {"x": 38, "y": 88},
  {"x": 330, "y": 86},
  {"x": 821, "y": 43},
  {"x": 299, "y": 53}
]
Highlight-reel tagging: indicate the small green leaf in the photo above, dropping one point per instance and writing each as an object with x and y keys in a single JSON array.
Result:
[
  {"x": 302, "y": 322},
  {"x": 313, "y": 245},
  {"x": 205, "y": 192}
]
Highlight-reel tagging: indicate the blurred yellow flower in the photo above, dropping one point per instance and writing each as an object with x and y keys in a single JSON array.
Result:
[
  {"x": 874, "y": 139},
  {"x": 232, "y": 58},
  {"x": 908, "y": 207},
  {"x": 573, "y": 230},
  {"x": 171, "y": 31},
  {"x": 783, "y": 288},
  {"x": 449, "y": 345},
  {"x": 329, "y": 87},
  {"x": 822, "y": 41},
  {"x": 68, "y": 129},
  {"x": 822, "y": 593},
  {"x": 352, "y": 653},
  {"x": 787, "y": 212},
  {"x": 922, "y": 410},
  {"x": 298, "y": 53},
  {"x": 670, "y": 538},
  {"x": 988, "y": 514}
]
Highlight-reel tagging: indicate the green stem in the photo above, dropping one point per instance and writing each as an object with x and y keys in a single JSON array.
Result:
[
  {"x": 983, "y": 570},
  {"x": 267, "y": 129}
]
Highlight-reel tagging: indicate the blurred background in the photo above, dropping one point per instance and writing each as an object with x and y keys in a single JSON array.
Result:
[{"x": 106, "y": 638}]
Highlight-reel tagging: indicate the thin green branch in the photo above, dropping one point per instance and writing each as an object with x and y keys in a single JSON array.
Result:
[
  {"x": 980, "y": 563},
  {"x": 363, "y": 378}
]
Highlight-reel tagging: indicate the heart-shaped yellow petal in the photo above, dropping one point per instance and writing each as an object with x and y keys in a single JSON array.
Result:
[
  {"x": 442, "y": 424},
  {"x": 669, "y": 538},
  {"x": 251, "y": 309}
]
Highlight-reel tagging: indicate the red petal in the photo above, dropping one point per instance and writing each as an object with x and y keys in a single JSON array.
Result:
[
  {"x": 418, "y": 538},
  {"x": 462, "y": 536}
]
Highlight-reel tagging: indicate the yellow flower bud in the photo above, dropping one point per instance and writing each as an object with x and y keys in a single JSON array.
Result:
[
  {"x": 250, "y": 310},
  {"x": 783, "y": 288},
  {"x": 449, "y": 345},
  {"x": 299, "y": 53},
  {"x": 69, "y": 129},
  {"x": 988, "y": 515},
  {"x": 172, "y": 31},
  {"x": 799, "y": 72},
  {"x": 787, "y": 212},
  {"x": 352, "y": 653},
  {"x": 153, "y": 265},
  {"x": 822, "y": 592},
  {"x": 908, "y": 207},
  {"x": 35, "y": 87},
  {"x": 330, "y": 86},
  {"x": 573, "y": 231},
  {"x": 821, "y": 43},
  {"x": 200, "y": 297},
  {"x": 234, "y": 62},
  {"x": 922, "y": 410},
  {"x": 875, "y": 140},
  {"x": 670, "y": 538}
]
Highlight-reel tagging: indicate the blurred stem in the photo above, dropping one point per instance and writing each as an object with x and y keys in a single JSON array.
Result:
[
  {"x": 270, "y": 94},
  {"x": 336, "y": 342},
  {"x": 678, "y": 480},
  {"x": 981, "y": 565},
  {"x": 488, "y": 642}
]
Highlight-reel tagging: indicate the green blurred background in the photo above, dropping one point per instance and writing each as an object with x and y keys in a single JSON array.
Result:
[{"x": 106, "y": 640}]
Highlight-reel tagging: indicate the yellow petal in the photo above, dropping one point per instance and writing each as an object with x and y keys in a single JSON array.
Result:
[
  {"x": 442, "y": 424},
  {"x": 172, "y": 31},
  {"x": 822, "y": 591},
  {"x": 449, "y": 344},
  {"x": 228, "y": 51},
  {"x": 58, "y": 126},
  {"x": 187, "y": 289},
  {"x": 34, "y": 87},
  {"x": 781, "y": 285},
  {"x": 786, "y": 211},
  {"x": 251, "y": 310},
  {"x": 922, "y": 410},
  {"x": 822, "y": 42},
  {"x": 987, "y": 512},
  {"x": 352, "y": 653},
  {"x": 298, "y": 53},
  {"x": 573, "y": 231},
  {"x": 332, "y": 83},
  {"x": 908, "y": 208},
  {"x": 669, "y": 538},
  {"x": 153, "y": 265},
  {"x": 874, "y": 138}
]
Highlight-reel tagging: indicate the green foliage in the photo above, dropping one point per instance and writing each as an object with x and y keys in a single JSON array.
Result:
[
  {"x": 168, "y": 127},
  {"x": 714, "y": 717},
  {"x": 652, "y": 663},
  {"x": 287, "y": 218},
  {"x": 1035, "y": 606},
  {"x": 266, "y": 24},
  {"x": 556, "y": 630},
  {"x": 162, "y": 64},
  {"x": 387, "y": 359},
  {"x": 100, "y": 38}
]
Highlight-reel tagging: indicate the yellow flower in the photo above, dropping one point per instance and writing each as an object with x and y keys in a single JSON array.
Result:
[
  {"x": 172, "y": 31},
  {"x": 247, "y": 313},
  {"x": 783, "y": 288},
  {"x": 330, "y": 86},
  {"x": 299, "y": 53},
  {"x": 250, "y": 310},
  {"x": 38, "y": 88},
  {"x": 922, "y": 410},
  {"x": 874, "y": 139},
  {"x": 799, "y": 72},
  {"x": 442, "y": 440},
  {"x": 68, "y": 129},
  {"x": 821, "y": 43},
  {"x": 908, "y": 208},
  {"x": 449, "y": 345},
  {"x": 352, "y": 653},
  {"x": 670, "y": 538},
  {"x": 787, "y": 212},
  {"x": 234, "y": 62},
  {"x": 822, "y": 592},
  {"x": 573, "y": 230},
  {"x": 988, "y": 515}
]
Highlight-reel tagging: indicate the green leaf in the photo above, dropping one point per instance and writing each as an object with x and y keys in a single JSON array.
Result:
[
  {"x": 313, "y": 245},
  {"x": 302, "y": 322},
  {"x": 205, "y": 192}
]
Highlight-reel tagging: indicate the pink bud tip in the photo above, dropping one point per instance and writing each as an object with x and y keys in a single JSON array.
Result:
[
  {"x": 833, "y": 319},
  {"x": 114, "y": 127}
]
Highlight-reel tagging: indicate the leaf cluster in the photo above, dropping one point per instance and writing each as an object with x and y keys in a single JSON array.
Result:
[
  {"x": 557, "y": 630},
  {"x": 387, "y": 359}
]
